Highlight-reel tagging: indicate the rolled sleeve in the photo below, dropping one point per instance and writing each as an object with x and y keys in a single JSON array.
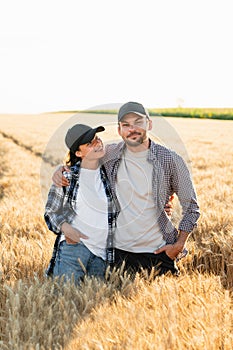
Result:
[
  {"x": 54, "y": 211},
  {"x": 184, "y": 188}
]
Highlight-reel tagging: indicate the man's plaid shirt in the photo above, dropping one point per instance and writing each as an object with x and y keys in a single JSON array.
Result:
[
  {"x": 61, "y": 203},
  {"x": 170, "y": 175}
]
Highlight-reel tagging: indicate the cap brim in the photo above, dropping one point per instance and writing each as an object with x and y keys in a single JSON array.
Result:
[
  {"x": 88, "y": 136},
  {"x": 140, "y": 114}
]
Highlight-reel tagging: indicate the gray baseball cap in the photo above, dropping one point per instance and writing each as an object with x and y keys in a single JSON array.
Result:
[
  {"x": 80, "y": 134},
  {"x": 132, "y": 107}
]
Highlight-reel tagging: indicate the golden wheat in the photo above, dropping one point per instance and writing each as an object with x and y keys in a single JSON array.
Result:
[
  {"x": 169, "y": 313},
  {"x": 193, "y": 311}
]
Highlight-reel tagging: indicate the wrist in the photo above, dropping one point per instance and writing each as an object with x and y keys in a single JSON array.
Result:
[
  {"x": 179, "y": 246},
  {"x": 182, "y": 237}
]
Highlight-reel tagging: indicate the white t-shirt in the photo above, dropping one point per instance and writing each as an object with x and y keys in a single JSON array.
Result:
[
  {"x": 92, "y": 211},
  {"x": 137, "y": 228}
]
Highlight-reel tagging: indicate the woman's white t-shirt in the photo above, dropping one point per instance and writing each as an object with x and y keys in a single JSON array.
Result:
[{"x": 92, "y": 211}]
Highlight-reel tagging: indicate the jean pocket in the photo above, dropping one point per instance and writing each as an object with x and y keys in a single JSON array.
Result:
[{"x": 72, "y": 244}]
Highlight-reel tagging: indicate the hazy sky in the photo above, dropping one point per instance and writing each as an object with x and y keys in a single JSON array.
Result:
[{"x": 75, "y": 54}]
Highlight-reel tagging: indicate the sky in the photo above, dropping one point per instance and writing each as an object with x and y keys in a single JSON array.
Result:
[{"x": 58, "y": 55}]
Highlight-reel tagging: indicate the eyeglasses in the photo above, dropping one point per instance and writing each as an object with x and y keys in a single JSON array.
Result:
[{"x": 141, "y": 123}]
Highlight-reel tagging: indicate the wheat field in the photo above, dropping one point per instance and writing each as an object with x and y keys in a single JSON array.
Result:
[{"x": 193, "y": 311}]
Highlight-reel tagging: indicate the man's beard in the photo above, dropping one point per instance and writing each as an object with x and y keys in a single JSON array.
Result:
[{"x": 134, "y": 143}]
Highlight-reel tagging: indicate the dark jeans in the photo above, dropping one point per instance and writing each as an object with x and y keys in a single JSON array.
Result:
[{"x": 134, "y": 262}]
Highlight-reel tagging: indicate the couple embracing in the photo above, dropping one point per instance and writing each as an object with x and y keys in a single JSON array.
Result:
[{"x": 112, "y": 205}]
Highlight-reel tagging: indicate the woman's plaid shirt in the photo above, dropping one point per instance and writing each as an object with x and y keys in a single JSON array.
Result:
[
  {"x": 61, "y": 203},
  {"x": 170, "y": 175}
]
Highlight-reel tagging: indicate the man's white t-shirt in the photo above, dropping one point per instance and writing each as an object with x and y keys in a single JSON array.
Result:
[{"x": 137, "y": 228}]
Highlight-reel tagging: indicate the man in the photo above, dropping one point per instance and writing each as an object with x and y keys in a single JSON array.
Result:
[{"x": 144, "y": 175}]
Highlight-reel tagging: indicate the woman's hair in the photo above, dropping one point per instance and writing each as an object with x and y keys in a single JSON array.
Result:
[{"x": 71, "y": 159}]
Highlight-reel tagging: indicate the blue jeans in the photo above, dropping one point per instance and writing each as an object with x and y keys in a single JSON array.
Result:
[{"x": 67, "y": 263}]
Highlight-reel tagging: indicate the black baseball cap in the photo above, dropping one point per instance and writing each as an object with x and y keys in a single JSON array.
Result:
[
  {"x": 132, "y": 107},
  {"x": 80, "y": 134}
]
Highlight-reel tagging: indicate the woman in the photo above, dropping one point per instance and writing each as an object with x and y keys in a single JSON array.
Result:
[{"x": 83, "y": 214}]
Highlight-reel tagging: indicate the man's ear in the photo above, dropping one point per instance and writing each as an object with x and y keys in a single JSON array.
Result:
[
  {"x": 150, "y": 124},
  {"x": 119, "y": 130}
]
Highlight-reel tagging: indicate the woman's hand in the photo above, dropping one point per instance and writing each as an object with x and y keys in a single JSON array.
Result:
[
  {"x": 169, "y": 206},
  {"x": 72, "y": 235}
]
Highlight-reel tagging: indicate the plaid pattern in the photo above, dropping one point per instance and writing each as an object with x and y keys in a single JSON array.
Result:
[
  {"x": 170, "y": 175},
  {"x": 61, "y": 203}
]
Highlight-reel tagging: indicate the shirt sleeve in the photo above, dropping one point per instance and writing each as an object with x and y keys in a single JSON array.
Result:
[
  {"x": 184, "y": 188},
  {"x": 54, "y": 213}
]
